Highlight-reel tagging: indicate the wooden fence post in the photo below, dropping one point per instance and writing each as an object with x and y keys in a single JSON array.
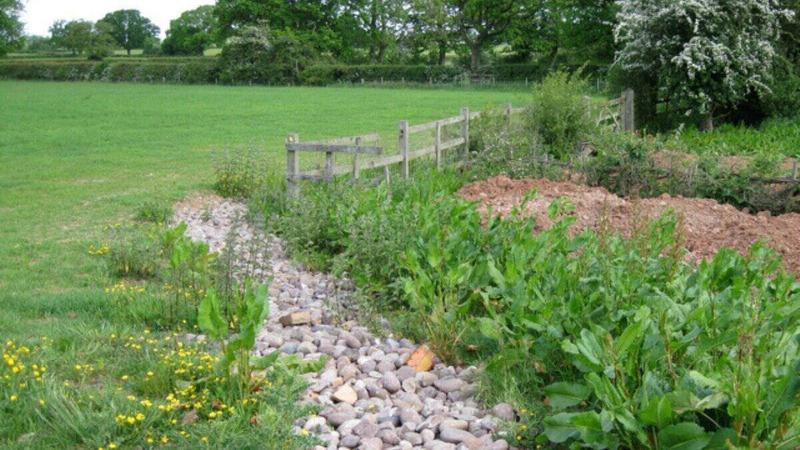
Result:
[
  {"x": 403, "y": 146},
  {"x": 292, "y": 167},
  {"x": 508, "y": 117},
  {"x": 438, "y": 145},
  {"x": 628, "y": 122},
  {"x": 465, "y": 130},
  {"x": 356, "y": 163},
  {"x": 328, "y": 166}
]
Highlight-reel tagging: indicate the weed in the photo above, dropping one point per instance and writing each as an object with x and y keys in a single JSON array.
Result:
[
  {"x": 154, "y": 212},
  {"x": 240, "y": 173}
]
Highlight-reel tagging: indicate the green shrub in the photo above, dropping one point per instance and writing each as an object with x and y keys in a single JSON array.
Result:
[
  {"x": 155, "y": 212},
  {"x": 240, "y": 173},
  {"x": 630, "y": 346},
  {"x": 133, "y": 252},
  {"x": 559, "y": 112}
]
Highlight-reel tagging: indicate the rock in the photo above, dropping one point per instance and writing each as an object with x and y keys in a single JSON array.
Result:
[
  {"x": 456, "y": 436},
  {"x": 413, "y": 438},
  {"x": 365, "y": 429},
  {"x": 426, "y": 379},
  {"x": 499, "y": 445},
  {"x": 390, "y": 382},
  {"x": 385, "y": 366},
  {"x": 306, "y": 348},
  {"x": 422, "y": 359},
  {"x": 372, "y": 443},
  {"x": 289, "y": 348},
  {"x": 315, "y": 424},
  {"x": 448, "y": 385},
  {"x": 453, "y": 423},
  {"x": 408, "y": 415},
  {"x": 427, "y": 435},
  {"x": 504, "y": 411},
  {"x": 406, "y": 372},
  {"x": 389, "y": 437},
  {"x": 439, "y": 445},
  {"x": 345, "y": 394},
  {"x": 348, "y": 372},
  {"x": 410, "y": 385},
  {"x": 351, "y": 341},
  {"x": 294, "y": 319},
  {"x": 340, "y": 414},
  {"x": 349, "y": 441}
]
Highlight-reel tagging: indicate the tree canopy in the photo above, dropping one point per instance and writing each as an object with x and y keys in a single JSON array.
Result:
[
  {"x": 10, "y": 25},
  {"x": 191, "y": 33},
  {"x": 129, "y": 28}
]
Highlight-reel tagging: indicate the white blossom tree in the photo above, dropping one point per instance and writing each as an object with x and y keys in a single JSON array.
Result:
[{"x": 702, "y": 54}]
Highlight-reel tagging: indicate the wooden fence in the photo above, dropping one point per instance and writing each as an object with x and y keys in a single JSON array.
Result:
[
  {"x": 357, "y": 146},
  {"x": 617, "y": 113}
]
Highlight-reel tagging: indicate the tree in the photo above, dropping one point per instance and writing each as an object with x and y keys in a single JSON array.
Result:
[
  {"x": 191, "y": 33},
  {"x": 433, "y": 27},
  {"x": 313, "y": 22},
  {"x": 10, "y": 26},
  {"x": 481, "y": 22},
  {"x": 75, "y": 35},
  {"x": 704, "y": 54},
  {"x": 381, "y": 21},
  {"x": 38, "y": 44},
  {"x": 129, "y": 28}
]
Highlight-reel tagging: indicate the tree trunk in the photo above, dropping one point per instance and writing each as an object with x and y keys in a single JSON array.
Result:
[
  {"x": 475, "y": 50},
  {"x": 442, "y": 52},
  {"x": 708, "y": 122},
  {"x": 129, "y": 51}
]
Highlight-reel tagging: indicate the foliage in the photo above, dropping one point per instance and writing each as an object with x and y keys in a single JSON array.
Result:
[
  {"x": 705, "y": 55},
  {"x": 559, "y": 112},
  {"x": 191, "y": 33},
  {"x": 129, "y": 28},
  {"x": 10, "y": 25},
  {"x": 240, "y": 173}
]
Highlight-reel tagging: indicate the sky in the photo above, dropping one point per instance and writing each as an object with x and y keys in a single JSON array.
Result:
[{"x": 38, "y": 15}]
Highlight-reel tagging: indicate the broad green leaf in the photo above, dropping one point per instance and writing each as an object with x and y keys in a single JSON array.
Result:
[
  {"x": 559, "y": 428},
  {"x": 563, "y": 395},
  {"x": 489, "y": 328},
  {"x": 265, "y": 362},
  {"x": 628, "y": 337},
  {"x": 658, "y": 412},
  {"x": 209, "y": 317},
  {"x": 683, "y": 436}
]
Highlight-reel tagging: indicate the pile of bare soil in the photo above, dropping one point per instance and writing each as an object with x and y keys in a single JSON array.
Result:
[{"x": 708, "y": 226}]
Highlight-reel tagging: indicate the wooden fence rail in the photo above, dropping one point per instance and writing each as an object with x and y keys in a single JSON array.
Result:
[{"x": 619, "y": 111}]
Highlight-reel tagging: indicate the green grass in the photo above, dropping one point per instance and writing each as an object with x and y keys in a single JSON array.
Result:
[
  {"x": 773, "y": 137},
  {"x": 77, "y": 157}
]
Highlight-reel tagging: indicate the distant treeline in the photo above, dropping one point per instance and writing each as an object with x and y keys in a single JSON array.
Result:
[{"x": 208, "y": 70}]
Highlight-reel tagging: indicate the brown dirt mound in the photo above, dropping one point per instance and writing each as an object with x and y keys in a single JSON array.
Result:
[{"x": 708, "y": 225}]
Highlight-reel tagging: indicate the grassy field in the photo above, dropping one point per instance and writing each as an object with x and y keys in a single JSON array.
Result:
[{"x": 75, "y": 158}]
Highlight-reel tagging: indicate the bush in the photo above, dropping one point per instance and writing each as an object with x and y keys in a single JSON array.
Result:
[
  {"x": 559, "y": 112},
  {"x": 182, "y": 70},
  {"x": 240, "y": 173},
  {"x": 155, "y": 212},
  {"x": 329, "y": 74}
]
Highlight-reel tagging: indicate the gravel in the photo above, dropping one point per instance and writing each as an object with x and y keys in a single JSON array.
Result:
[{"x": 366, "y": 394}]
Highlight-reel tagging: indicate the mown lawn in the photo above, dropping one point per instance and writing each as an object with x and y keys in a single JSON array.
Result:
[{"x": 76, "y": 157}]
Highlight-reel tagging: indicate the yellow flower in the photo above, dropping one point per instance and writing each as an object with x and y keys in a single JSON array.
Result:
[
  {"x": 132, "y": 398},
  {"x": 77, "y": 367},
  {"x": 140, "y": 417},
  {"x": 164, "y": 439},
  {"x": 41, "y": 402},
  {"x": 13, "y": 398},
  {"x": 150, "y": 374},
  {"x": 124, "y": 378},
  {"x": 204, "y": 440},
  {"x": 112, "y": 446},
  {"x": 149, "y": 440},
  {"x": 131, "y": 420}
]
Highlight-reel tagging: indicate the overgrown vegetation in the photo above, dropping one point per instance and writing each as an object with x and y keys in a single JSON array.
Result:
[{"x": 600, "y": 341}]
